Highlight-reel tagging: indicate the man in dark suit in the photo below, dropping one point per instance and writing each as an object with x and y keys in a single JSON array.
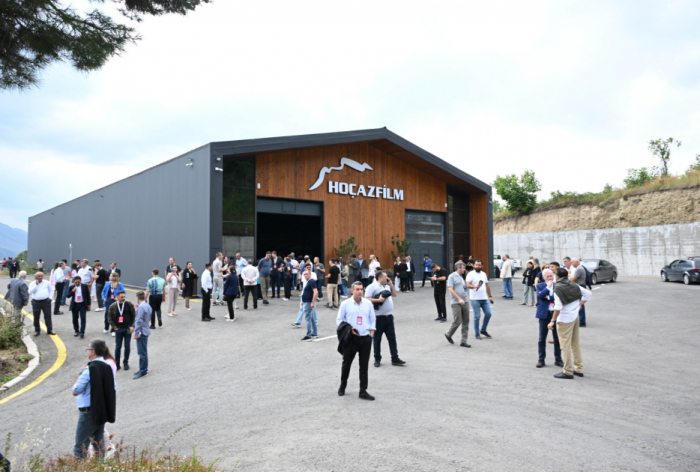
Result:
[
  {"x": 14, "y": 267},
  {"x": 79, "y": 293},
  {"x": 113, "y": 268},
  {"x": 411, "y": 269},
  {"x": 545, "y": 310},
  {"x": 276, "y": 274}
]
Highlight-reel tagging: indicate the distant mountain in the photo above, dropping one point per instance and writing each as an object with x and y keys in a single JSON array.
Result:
[{"x": 12, "y": 241}]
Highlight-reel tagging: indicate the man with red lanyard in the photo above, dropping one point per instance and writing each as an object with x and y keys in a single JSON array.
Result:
[
  {"x": 545, "y": 310},
  {"x": 358, "y": 312}
]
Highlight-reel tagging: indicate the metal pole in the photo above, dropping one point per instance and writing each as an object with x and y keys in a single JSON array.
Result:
[{"x": 70, "y": 256}]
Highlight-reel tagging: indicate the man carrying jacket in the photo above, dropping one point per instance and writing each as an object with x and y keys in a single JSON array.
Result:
[
  {"x": 121, "y": 316},
  {"x": 359, "y": 314},
  {"x": 95, "y": 390}
]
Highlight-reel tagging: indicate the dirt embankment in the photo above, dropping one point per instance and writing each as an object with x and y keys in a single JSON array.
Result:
[{"x": 658, "y": 207}]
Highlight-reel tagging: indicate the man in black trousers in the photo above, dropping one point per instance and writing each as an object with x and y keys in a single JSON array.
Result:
[
  {"x": 79, "y": 294},
  {"x": 439, "y": 280},
  {"x": 207, "y": 288},
  {"x": 411, "y": 266},
  {"x": 357, "y": 312}
]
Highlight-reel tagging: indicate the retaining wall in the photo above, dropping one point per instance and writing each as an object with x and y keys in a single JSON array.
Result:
[{"x": 642, "y": 250}]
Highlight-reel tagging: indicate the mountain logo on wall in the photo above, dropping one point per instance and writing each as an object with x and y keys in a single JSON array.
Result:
[{"x": 344, "y": 161}]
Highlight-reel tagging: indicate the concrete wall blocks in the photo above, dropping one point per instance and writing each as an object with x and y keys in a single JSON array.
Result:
[{"x": 642, "y": 250}]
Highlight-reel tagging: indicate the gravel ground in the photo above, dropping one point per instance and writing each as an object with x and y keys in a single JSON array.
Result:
[{"x": 252, "y": 393}]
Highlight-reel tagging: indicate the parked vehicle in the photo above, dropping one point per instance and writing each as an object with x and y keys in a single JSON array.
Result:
[
  {"x": 601, "y": 270},
  {"x": 687, "y": 270},
  {"x": 498, "y": 263}
]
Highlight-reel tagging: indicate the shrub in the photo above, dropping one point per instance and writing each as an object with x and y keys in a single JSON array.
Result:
[
  {"x": 10, "y": 332},
  {"x": 638, "y": 177}
]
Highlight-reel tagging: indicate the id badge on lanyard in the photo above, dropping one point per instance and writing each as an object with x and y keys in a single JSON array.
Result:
[
  {"x": 121, "y": 319},
  {"x": 359, "y": 321}
]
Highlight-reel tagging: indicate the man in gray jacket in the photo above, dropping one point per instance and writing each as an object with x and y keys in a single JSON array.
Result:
[{"x": 18, "y": 293}]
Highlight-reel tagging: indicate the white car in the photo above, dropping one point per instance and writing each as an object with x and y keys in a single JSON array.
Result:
[{"x": 498, "y": 263}]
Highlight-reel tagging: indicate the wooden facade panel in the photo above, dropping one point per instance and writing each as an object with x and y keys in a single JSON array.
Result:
[
  {"x": 479, "y": 230},
  {"x": 290, "y": 174}
]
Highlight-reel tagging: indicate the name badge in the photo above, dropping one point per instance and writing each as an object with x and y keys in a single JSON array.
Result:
[
  {"x": 112, "y": 296},
  {"x": 121, "y": 319},
  {"x": 359, "y": 321}
]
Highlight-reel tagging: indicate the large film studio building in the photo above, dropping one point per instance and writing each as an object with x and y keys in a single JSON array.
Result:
[{"x": 300, "y": 194}]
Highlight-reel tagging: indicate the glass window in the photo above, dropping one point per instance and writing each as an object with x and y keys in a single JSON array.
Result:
[
  {"x": 239, "y": 172},
  {"x": 459, "y": 221},
  {"x": 239, "y": 205}
]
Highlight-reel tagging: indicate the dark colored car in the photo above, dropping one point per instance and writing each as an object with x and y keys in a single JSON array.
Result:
[
  {"x": 686, "y": 270},
  {"x": 601, "y": 270}
]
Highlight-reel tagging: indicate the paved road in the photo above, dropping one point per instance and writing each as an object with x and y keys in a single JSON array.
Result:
[{"x": 256, "y": 393}]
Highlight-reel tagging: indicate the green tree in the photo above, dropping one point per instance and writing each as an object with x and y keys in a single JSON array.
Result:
[
  {"x": 496, "y": 206},
  {"x": 346, "y": 248},
  {"x": 402, "y": 247},
  {"x": 696, "y": 166},
  {"x": 661, "y": 149},
  {"x": 519, "y": 194},
  {"x": 36, "y": 33}
]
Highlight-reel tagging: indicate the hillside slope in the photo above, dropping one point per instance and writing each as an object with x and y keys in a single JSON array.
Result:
[
  {"x": 12, "y": 241},
  {"x": 658, "y": 207}
]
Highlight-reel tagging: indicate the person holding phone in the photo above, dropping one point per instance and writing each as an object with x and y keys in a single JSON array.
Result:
[{"x": 480, "y": 298}]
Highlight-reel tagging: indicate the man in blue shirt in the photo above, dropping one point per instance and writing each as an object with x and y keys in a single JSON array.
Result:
[
  {"x": 88, "y": 431},
  {"x": 308, "y": 298},
  {"x": 358, "y": 312},
  {"x": 141, "y": 333},
  {"x": 264, "y": 267},
  {"x": 427, "y": 262},
  {"x": 155, "y": 294}
]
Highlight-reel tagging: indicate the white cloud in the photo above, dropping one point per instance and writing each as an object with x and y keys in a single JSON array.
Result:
[{"x": 572, "y": 92}]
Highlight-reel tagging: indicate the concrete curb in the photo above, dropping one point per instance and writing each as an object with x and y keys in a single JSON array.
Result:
[{"x": 33, "y": 364}]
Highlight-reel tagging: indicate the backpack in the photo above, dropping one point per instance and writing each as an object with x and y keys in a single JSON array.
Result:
[{"x": 589, "y": 282}]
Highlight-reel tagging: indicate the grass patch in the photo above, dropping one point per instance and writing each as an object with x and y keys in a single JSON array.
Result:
[
  {"x": 30, "y": 456},
  {"x": 689, "y": 179},
  {"x": 13, "y": 352}
]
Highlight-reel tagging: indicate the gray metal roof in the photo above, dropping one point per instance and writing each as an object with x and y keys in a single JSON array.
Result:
[{"x": 251, "y": 146}]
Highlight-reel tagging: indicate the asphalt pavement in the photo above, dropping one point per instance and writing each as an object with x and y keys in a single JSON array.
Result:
[{"x": 251, "y": 392}]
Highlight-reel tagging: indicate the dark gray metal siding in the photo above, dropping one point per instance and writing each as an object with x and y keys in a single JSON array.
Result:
[{"x": 138, "y": 222}]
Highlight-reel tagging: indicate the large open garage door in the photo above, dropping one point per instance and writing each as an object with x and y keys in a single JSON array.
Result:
[
  {"x": 289, "y": 226},
  {"x": 426, "y": 232}
]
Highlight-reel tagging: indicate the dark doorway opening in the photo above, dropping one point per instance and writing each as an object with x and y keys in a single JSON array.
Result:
[{"x": 300, "y": 234}]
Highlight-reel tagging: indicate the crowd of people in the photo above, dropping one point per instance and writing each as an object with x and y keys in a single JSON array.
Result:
[{"x": 361, "y": 291}]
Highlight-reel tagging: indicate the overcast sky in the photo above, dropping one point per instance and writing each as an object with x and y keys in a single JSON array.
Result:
[{"x": 571, "y": 90}]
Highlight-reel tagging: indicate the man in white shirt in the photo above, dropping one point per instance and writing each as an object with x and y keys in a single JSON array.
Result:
[
  {"x": 359, "y": 314},
  {"x": 569, "y": 297},
  {"x": 373, "y": 266},
  {"x": 218, "y": 279},
  {"x": 41, "y": 292},
  {"x": 480, "y": 298},
  {"x": 250, "y": 284},
  {"x": 85, "y": 274},
  {"x": 207, "y": 287},
  {"x": 381, "y": 294},
  {"x": 59, "y": 278},
  {"x": 507, "y": 277}
]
